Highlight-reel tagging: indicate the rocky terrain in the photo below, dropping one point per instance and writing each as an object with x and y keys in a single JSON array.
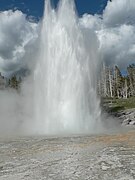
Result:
[
  {"x": 122, "y": 109},
  {"x": 126, "y": 117},
  {"x": 97, "y": 157}
]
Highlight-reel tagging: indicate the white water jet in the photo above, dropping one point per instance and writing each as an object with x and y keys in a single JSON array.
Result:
[{"x": 65, "y": 75}]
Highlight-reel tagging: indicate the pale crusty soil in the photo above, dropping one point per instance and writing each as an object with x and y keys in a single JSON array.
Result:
[{"x": 99, "y": 157}]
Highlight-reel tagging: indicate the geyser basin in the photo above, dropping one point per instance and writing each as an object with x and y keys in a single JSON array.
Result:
[{"x": 65, "y": 75}]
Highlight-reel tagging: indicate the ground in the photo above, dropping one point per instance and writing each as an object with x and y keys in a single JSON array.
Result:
[
  {"x": 123, "y": 109},
  {"x": 93, "y": 157}
]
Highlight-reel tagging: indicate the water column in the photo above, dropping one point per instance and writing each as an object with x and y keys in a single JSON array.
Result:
[{"x": 65, "y": 75}]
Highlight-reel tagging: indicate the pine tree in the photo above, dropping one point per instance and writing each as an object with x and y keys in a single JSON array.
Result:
[{"x": 13, "y": 83}]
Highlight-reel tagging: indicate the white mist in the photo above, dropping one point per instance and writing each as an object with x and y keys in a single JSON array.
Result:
[{"x": 65, "y": 99}]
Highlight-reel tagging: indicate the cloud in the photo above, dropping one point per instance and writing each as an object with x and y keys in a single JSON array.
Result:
[
  {"x": 91, "y": 22},
  {"x": 17, "y": 38},
  {"x": 119, "y": 12},
  {"x": 117, "y": 44},
  {"x": 115, "y": 30}
]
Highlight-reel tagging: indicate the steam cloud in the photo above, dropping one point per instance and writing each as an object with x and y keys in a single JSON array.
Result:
[{"x": 115, "y": 30}]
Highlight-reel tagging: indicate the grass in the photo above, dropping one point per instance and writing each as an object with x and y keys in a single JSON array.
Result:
[
  {"x": 126, "y": 103},
  {"x": 115, "y": 105}
]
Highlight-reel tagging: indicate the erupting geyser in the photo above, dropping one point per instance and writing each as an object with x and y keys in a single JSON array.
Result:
[{"x": 65, "y": 75}]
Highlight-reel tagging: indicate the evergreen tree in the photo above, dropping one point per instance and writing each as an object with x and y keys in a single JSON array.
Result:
[
  {"x": 131, "y": 75},
  {"x": 13, "y": 83}
]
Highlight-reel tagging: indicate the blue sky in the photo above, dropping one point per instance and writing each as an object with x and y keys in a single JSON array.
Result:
[{"x": 35, "y": 7}]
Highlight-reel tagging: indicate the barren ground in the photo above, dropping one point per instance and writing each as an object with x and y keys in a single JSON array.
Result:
[{"x": 100, "y": 157}]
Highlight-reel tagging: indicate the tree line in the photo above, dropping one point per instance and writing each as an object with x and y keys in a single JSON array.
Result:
[
  {"x": 113, "y": 84},
  {"x": 14, "y": 82}
]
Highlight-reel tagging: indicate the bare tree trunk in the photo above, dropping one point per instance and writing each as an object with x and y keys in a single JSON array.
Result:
[
  {"x": 126, "y": 89},
  {"x": 104, "y": 81},
  {"x": 110, "y": 83}
]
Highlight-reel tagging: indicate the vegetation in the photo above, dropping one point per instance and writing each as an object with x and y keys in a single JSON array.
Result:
[
  {"x": 14, "y": 82},
  {"x": 117, "y": 91},
  {"x": 115, "y": 104},
  {"x": 113, "y": 84},
  {"x": 125, "y": 103}
]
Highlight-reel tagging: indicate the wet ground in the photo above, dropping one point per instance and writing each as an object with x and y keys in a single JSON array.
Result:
[{"x": 100, "y": 157}]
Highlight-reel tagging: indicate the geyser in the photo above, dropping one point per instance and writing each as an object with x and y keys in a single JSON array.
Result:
[{"x": 65, "y": 99}]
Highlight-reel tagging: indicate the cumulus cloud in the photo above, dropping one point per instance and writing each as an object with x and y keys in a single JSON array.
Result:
[
  {"x": 91, "y": 22},
  {"x": 119, "y": 12},
  {"x": 117, "y": 44},
  {"x": 17, "y": 38},
  {"x": 116, "y": 31}
]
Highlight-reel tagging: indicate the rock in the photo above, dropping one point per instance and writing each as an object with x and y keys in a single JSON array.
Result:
[
  {"x": 127, "y": 117},
  {"x": 104, "y": 167},
  {"x": 132, "y": 116},
  {"x": 1, "y": 168},
  {"x": 126, "y": 121},
  {"x": 132, "y": 122}
]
